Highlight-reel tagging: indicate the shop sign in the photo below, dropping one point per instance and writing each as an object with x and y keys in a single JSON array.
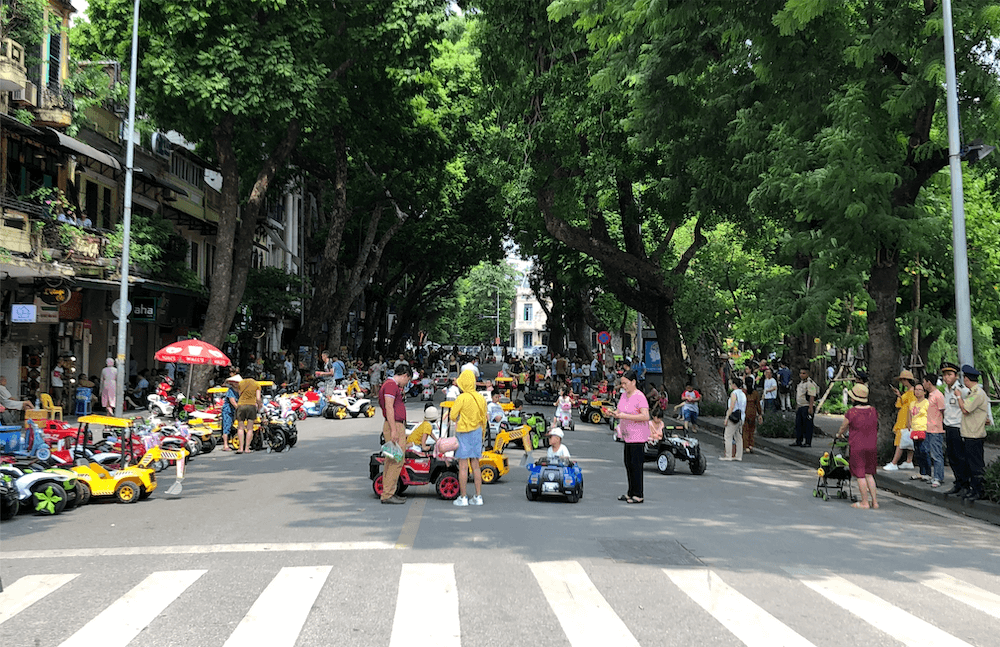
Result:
[
  {"x": 22, "y": 313},
  {"x": 72, "y": 309},
  {"x": 144, "y": 309},
  {"x": 54, "y": 295},
  {"x": 46, "y": 314}
]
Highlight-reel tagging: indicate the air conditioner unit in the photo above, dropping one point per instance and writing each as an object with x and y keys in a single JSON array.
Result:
[{"x": 27, "y": 96}]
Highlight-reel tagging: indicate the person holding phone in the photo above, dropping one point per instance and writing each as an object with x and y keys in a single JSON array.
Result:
[{"x": 632, "y": 413}]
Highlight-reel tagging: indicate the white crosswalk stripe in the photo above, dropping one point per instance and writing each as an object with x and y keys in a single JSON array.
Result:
[
  {"x": 419, "y": 582},
  {"x": 277, "y": 616},
  {"x": 26, "y": 591},
  {"x": 747, "y": 621},
  {"x": 428, "y": 606},
  {"x": 117, "y": 625},
  {"x": 969, "y": 594},
  {"x": 901, "y": 625},
  {"x": 586, "y": 617}
]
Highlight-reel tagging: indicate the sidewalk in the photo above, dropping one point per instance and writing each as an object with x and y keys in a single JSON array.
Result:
[{"x": 825, "y": 429}]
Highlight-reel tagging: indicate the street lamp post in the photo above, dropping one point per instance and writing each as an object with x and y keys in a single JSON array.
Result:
[{"x": 123, "y": 310}]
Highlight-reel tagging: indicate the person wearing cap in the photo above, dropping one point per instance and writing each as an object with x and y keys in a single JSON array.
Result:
[
  {"x": 229, "y": 405},
  {"x": 390, "y": 398},
  {"x": 904, "y": 400},
  {"x": 953, "y": 428},
  {"x": 975, "y": 413},
  {"x": 418, "y": 437},
  {"x": 861, "y": 420},
  {"x": 556, "y": 448},
  {"x": 805, "y": 401},
  {"x": 934, "y": 443}
]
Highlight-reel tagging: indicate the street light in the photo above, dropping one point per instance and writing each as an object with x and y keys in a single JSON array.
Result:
[{"x": 123, "y": 311}]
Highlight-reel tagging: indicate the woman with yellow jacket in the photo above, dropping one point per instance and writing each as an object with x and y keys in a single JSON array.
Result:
[{"x": 469, "y": 412}]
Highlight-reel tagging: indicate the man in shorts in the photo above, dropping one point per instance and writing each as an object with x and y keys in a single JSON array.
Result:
[
  {"x": 390, "y": 398},
  {"x": 247, "y": 406}
]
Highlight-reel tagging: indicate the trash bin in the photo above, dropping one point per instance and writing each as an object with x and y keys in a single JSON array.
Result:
[{"x": 83, "y": 400}]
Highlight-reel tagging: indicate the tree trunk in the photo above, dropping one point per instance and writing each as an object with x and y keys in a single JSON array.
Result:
[
  {"x": 705, "y": 361},
  {"x": 883, "y": 364},
  {"x": 234, "y": 242}
]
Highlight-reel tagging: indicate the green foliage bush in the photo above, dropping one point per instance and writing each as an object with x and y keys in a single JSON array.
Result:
[
  {"x": 716, "y": 409},
  {"x": 991, "y": 481},
  {"x": 777, "y": 425}
]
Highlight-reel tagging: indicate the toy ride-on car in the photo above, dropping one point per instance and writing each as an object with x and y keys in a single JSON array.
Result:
[
  {"x": 592, "y": 411},
  {"x": 673, "y": 446},
  {"x": 555, "y": 477},
  {"x": 419, "y": 468}
]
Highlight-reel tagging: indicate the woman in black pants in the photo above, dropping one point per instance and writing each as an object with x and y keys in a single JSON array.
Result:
[{"x": 633, "y": 428}]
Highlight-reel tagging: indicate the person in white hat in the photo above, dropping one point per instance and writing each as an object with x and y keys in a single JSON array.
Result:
[
  {"x": 556, "y": 447},
  {"x": 229, "y": 405},
  {"x": 902, "y": 440},
  {"x": 418, "y": 437}
]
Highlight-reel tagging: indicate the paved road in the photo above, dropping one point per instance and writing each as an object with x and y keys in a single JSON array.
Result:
[{"x": 294, "y": 549}]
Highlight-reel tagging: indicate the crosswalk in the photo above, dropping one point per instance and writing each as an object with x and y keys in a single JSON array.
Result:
[{"x": 584, "y": 604}]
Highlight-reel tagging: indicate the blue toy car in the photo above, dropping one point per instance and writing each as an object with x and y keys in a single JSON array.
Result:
[{"x": 555, "y": 477}]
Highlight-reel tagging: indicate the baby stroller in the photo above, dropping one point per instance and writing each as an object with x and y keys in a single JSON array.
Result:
[{"x": 834, "y": 473}]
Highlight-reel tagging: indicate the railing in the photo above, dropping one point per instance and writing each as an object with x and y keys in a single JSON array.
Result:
[
  {"x": 55, "y": 98},
  {"x": 12, "y": 53}
]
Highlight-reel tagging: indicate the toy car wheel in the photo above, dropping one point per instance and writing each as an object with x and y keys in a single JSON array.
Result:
[
  {"x": 698, "y": 465},
  {"x": 666, "y": 463},
  {"x": 815, "y": 493},
  {"x": 595, "y": 417},
  {"x": 532, "y": 496},
  {"x": 572, "y": 425},
  {"x": 370, "y": 411},
  {"x": 48, "y": 498},
  {"x": 208, "y": 445},
  {"x": 340, "y": 413},
  {"x": 489, "y": 474},
  {"x": 234, "y": 442},
  {"x": 572, "y": 497},
  {"x": 9, "y": 509},
  {"x": 277, "y": 441},
  {"x": 128, "y": 492},
  {"x": 447, "y": 486}
]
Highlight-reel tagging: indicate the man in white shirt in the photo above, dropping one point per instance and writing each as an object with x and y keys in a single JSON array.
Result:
[
  {"x": 8, "y": 402},
  {"x": 952, "y": 422},
  {"x": 770, "y": 391},
  {"x": 452, "y": 392},
  {"x": 471, "y": 366},
  {"x": 595, "y": 370}
]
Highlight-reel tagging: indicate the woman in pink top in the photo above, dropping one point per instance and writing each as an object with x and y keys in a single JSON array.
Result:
[{"x": 633, "y": 427}]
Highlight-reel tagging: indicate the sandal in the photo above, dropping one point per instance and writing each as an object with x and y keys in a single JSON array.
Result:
[
  {"x": 633, "y": 500},
  {"x": 859, "y": 506},
  {"x": 623, "y": 498}
]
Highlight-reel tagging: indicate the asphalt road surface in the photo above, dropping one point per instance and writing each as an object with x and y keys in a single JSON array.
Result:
[{"x": 294, "y": 549}]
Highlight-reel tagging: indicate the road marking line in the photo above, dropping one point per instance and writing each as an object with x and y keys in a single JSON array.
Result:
[
  {"x": 277, "y": 616},
  {"x": 420, "y": 584},
  {"x": 888, "y": 618},
  {"x": 210, "y": 549},
  {"x": 754, "y": 626},
  {"x": 586, "y": 617},
  {"x": 127, "y": 616},
  {"x": 964, "y": 592},
  {"x": 408, "y": 534},
  {"x": 29, "y": 589}
]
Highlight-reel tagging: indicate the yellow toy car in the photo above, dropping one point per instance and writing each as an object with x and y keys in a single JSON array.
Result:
[{"x": 492, "y": 462}]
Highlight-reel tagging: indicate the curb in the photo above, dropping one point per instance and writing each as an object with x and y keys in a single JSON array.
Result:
[{"x": 982, "y": 510}]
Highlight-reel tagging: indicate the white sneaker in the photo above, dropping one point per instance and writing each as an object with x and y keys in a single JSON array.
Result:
[
  {"x": 462, "y": 501},
  {"x": 935, "y": 483},
  {"x": 476, "y": 500},
  {"x": 906, "y": 466},
  {"x": 890, "y": 467}
]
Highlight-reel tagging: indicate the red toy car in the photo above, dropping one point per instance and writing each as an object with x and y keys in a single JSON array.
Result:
[{"x": 419, "y": 469}]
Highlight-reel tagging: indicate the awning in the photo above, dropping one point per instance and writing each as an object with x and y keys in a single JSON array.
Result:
[
  {"x": 152, "y": 180},
  {"x": 14, "y": 124},
  {"x": 71, "y": 145}
]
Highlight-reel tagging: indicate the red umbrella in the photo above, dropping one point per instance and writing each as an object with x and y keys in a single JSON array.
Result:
[{"x": 192, "y": 351}]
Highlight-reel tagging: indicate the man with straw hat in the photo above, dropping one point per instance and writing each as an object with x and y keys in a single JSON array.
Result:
[
  {"x": 904, "y": 400},
  {"x": 862, "y": 422}
]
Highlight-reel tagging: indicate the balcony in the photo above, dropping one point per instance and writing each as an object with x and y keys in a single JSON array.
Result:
[
  {"x": 55, "y": 107},
  {"x": 13, "y": 72}
]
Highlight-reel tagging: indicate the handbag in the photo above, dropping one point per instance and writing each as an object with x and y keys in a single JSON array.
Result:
[
  {"x": 905, "y": 441},
  {"x": 918, "y": 434},
  {"x": 736, "y": 416}
]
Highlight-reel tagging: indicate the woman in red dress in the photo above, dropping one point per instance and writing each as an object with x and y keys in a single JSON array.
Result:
[{"x": 862, "y": 422}]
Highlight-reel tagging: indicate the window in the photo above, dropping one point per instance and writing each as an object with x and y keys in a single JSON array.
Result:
[
  {"x": 106, "y": 218},
  {"x": 55, "y": 65},
  {"x": 194, "y": 257},
  {"x": 91, "y": 201},
  {"x": 528, "y": 340},
  {"x": 187, "y": 170},
  {"x": 528, "y": 312}
]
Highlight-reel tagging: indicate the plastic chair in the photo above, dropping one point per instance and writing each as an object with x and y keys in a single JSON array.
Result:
[
  {"x": 83, "y": 401},
  {"x": 36, "y": 414},
  {"x": 48, "y": 405}
]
